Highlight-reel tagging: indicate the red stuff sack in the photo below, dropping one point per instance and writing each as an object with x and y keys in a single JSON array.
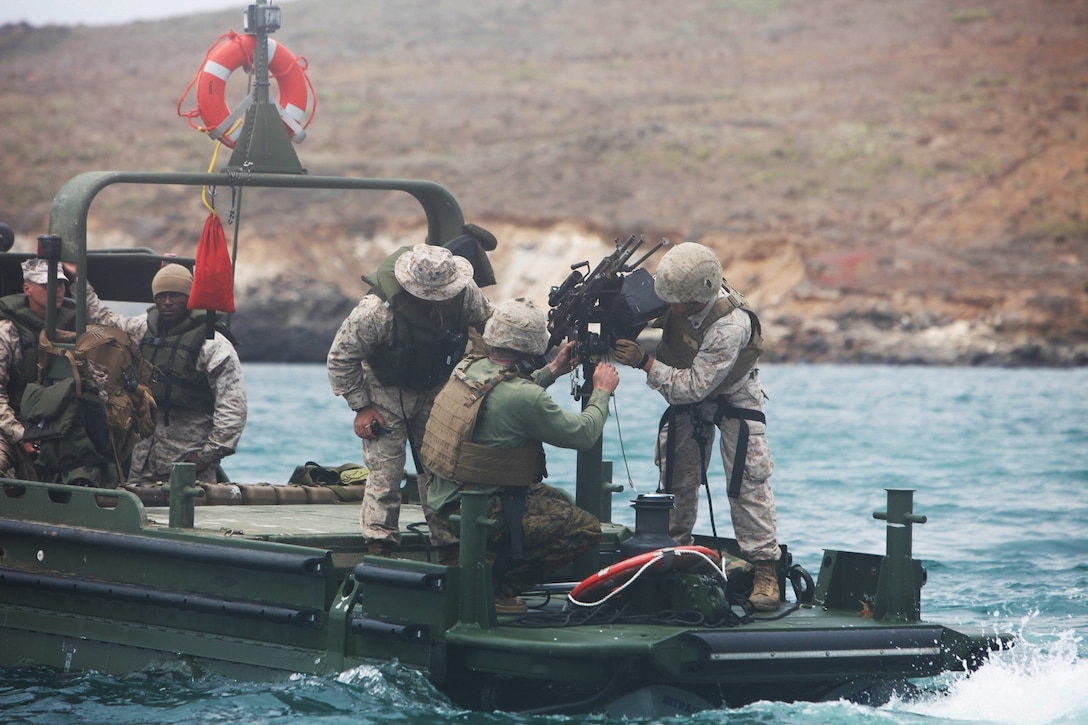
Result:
[{"x": 213, "y": 277}]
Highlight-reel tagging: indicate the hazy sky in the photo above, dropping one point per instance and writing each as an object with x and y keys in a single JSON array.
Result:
[{"x": 109, "y": 12}]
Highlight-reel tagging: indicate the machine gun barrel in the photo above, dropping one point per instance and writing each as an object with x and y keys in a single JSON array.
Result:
[
  {"x": 614, "y": 263},
  {"x": 644, "y": 257},
  {"x": 592, "y": 298},
  {"x": 625, "y": 251}
]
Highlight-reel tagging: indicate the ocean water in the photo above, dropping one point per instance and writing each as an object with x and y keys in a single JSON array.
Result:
[{"x": 998, "y": 459}]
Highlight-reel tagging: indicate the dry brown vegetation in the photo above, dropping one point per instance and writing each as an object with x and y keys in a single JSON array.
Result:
[{"x": 868, "y": 171}]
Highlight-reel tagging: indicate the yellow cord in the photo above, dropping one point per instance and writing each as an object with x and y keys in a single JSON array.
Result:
[{"x": 211, "y": 166}]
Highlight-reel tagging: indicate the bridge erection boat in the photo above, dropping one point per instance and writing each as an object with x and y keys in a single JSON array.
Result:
[{"x": 259, "y": 581}]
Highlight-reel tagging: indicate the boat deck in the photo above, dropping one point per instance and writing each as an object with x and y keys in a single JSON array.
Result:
[
  {"x": 282, "y": 521},
  {"x": 331, "y": 527}
]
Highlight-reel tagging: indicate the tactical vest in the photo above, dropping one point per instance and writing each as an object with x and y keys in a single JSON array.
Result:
[
  {"x": 177, "y": 383},
  {"x": 448, "y": 449},
  {"x": 16, "y": 308},
  {"x": 428, "y": 340},
  {"x": 680, "y": 340}
]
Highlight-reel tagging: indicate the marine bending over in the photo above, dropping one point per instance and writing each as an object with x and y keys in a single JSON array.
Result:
[{"x": 388, "y": 360}]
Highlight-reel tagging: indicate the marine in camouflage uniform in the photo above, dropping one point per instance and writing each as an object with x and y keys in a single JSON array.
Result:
[
  {"x": 716, "y": 391},
  {"x": 388, "y": 365},
  {"x": 16, "y": 457},
  {"x": 517, "y": 413},
  {"x": 201, "y": 427}
]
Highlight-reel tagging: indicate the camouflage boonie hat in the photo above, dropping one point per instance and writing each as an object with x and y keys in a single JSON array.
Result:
[
  {"x": 518, "y": 324},
  {"x": 432, "y": 273},
  {"x": 37, "y": 271}
]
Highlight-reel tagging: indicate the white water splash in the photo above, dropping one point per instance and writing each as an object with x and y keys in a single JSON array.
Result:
[{"x": 1036, "y": 684}]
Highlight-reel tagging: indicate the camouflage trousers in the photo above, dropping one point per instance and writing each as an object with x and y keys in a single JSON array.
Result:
[
  {"x": 154, "y": 457},
  {"x": 405, "y": 413},
  {"x": 14, "y": 463},
  {"x": 752, "y": 512},
  {"x": 555, "y": 532}
]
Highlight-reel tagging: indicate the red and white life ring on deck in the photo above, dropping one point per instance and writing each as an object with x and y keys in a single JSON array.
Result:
[
  {"x": 608, "y": 582},
  {"x": 236, "y": 51}
]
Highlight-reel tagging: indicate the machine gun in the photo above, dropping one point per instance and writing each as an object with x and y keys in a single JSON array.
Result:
[{"x": 616, "y": 299}]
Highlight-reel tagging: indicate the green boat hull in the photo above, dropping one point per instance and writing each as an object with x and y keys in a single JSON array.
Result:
[{"x": 92, "y": 580}]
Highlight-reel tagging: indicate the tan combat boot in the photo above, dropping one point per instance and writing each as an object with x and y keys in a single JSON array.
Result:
[
  {"x": 449, "y": 555},
  {"x": 380, "y": 547},
  {"x": 511, "y": 605},
  {"x": 507, "y": 602},
  {"x": 765, "y": 596}
]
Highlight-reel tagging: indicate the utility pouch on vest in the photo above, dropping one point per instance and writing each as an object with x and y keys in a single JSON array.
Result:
[{"x": 500, "y": 466}]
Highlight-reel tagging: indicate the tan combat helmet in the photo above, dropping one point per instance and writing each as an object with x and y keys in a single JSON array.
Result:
[
  {"x": 688, "y": 272},
  {"x": 518, "y": 324}
]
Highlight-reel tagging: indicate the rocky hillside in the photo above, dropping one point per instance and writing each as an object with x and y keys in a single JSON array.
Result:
[{"x": 903, "y": 182}]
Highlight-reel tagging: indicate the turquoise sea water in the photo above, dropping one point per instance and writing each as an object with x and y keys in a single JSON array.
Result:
[{"x": 998, "y": 459}]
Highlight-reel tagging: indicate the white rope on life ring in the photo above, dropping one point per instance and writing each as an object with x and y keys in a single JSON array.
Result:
[{"x": 596, "y": 589}]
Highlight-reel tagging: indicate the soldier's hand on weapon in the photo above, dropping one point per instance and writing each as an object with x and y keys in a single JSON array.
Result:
[
  {"x": 630, "y": 353},
  {"x": 369, "y": 423},
  {"x": 564, "y": 360},
  {"x": 605, "y": 377}
]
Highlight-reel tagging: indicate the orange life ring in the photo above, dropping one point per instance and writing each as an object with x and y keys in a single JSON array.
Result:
[
  {"x": 237, "y": 52},
  {"x": 597, "y": 588}
]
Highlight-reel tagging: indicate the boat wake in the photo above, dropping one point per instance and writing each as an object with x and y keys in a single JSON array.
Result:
[
  {"x": 391, "y": 686},
  {"x": 1043, "y": 683},
  {"x": 1040, "y": 682}
]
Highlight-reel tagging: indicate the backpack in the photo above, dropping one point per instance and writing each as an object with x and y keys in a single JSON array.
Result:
[
  {"x": 312, "y": 474},
  {"x": 86, "y": 425},
  {"x": 346, "y": 482}
]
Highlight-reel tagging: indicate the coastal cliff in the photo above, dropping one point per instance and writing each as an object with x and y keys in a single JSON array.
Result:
[{"x": 886, "y": 182}]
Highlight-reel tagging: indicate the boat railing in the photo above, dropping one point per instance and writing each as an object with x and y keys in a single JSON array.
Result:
[{"x": 99, "y": 508}]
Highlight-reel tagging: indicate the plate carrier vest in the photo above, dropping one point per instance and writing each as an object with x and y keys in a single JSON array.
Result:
[
  {"x": 448, "y": 450},
  {"x": 680, "y": 340}
]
